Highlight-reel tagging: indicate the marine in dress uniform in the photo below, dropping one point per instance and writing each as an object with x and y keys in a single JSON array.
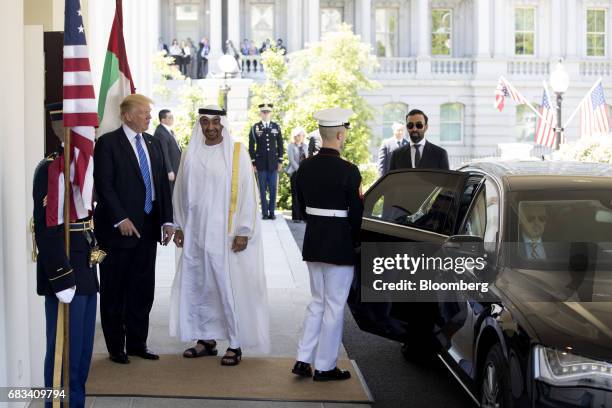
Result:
[
  {"x": 266, "y": 151},
  {"x": 60, "y": 279},
  {"x": 329, "y": 191}
]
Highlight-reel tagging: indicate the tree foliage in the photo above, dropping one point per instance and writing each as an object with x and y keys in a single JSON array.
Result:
[{"x": 329, "y": 73}]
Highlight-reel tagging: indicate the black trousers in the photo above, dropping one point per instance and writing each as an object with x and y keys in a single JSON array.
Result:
[
  {"x": 127, "y": 287},
  {"x": 296, "y": 213}
]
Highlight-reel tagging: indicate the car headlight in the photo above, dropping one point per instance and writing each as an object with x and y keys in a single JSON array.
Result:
[{"x": 563, "y": 369}]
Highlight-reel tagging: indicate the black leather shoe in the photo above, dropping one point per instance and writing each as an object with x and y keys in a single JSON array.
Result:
[
  {"x": 332, "y": 375},
  {"x": 119, "y": 358},
  {"x": 302, "y": 369},
  {"x": 272, "y": 217},
  {"x": 146, "y": 354},
  {"x": 265, "y": 217}
]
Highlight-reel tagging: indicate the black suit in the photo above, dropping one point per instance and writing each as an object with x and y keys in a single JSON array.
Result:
[
  {"x": 432, "y": 157},
  {"x": 127, "y": 275},
  {"x": 171, "y": 150}
]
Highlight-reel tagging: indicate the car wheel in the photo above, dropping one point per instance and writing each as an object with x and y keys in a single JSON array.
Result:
[{"x": 495, "y": 380}]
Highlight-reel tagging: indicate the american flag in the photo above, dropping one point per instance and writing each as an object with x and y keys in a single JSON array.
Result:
[
  {"x": 545, "y": 131},
  {"x": 505, "y": 89},
  {"x": 80, "y": 115},
  {"x": 594, "y": 115}
]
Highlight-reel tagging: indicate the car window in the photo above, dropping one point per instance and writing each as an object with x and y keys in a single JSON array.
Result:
[
  {"x": 483, "y": 219},
  {"x": 476, "y": 220},
  {"x": 420, "y": 199},
  {"x": 547, "y": 227}
]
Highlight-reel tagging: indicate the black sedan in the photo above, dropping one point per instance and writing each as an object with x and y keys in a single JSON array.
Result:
[{"x": 540, "y": 332}]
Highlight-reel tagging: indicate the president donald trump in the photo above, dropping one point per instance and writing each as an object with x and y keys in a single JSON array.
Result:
[{"x": 134, "y": 203}]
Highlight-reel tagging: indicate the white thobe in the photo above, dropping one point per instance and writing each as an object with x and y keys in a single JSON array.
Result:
[{"x": 217, "y": 293}]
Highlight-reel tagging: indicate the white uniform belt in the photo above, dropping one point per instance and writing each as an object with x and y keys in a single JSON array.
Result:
[{"x": 324, "y": 212}]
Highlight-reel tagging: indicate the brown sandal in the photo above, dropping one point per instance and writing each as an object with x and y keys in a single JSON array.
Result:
[
  {"x": 208, "y": 350},
  {"x": 232, "y": 360}
]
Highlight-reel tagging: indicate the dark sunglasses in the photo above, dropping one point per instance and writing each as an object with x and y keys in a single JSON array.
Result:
[
  {"x": 532, "y": 218},
  {"x": 418, "y": 125}
]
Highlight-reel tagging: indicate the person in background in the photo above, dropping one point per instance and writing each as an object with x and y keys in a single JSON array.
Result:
[
  {"x": 186, "y": 54},
  {"x": 176, "y": 53},
  {"x": 266, "y": 150},
  {"x": 419, "y": 153},
  {"x": 281, "y": 46},
  {"x": 388, "y": 146},
  {"x": 169, "y": 144},
  {"x": 162, "y": 46},
  {"x": 314, "y": 142},
  {"x": 193, "y": 62},
  {"x": 203, "y": 52},
  {"x": 296, "y": 153},
  {"x": 253, "y": 51},
  {"x": 244, "y": 51},
  {"x": 265, "y": 46}
]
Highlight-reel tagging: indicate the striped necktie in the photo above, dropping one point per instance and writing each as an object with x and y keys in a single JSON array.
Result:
[{"x": 146, "y": 176}]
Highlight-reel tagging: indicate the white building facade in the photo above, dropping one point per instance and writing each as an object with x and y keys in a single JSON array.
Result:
[{"x": 441, "y": 56}]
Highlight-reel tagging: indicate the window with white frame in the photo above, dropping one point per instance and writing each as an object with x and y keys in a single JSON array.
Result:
[
  {"x": 331, "y": 19},
  {"x": 441, "y": 29},
  {"x": 526, "y": 121},
  {"x": 596, "y": 32},
  {"x": 524, "y": 30},
  {"x": 451, "y": 122},
  {"x": 393, "y": 112},
  {"x": 186, "y": 21},
  {"x": 262, "y": 23},
  {"x": 387, "y": 32}
]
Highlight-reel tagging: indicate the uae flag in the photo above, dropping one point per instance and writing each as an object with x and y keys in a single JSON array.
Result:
[
  {"x": 117, "y": 80},
  {"x": 80, "y": 116}
]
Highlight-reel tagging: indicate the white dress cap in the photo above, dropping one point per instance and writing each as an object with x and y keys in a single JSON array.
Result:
[{"x": 333, "y": 117}]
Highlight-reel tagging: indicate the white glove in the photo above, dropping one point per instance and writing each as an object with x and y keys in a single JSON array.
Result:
[{"x": 66, "y": 295}]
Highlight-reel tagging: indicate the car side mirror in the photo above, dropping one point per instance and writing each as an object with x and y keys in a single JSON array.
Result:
[{"x": 463, "y": 245}]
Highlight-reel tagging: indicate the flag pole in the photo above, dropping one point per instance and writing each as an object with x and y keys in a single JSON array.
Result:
[
  {"x": 580, "y": 103},
  {"x": 66, "y": 306},
  {"x": 525, "y": 101}
]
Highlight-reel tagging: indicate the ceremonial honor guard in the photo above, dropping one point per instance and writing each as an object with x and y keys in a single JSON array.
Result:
[
  {"x": 266, "y": 151},
  {"x": 329, "y": 192},
  {"x": 59, "y": 278}
]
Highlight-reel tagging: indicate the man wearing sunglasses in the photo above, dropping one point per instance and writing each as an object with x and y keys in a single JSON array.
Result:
[{"x": 419, "y": 153}]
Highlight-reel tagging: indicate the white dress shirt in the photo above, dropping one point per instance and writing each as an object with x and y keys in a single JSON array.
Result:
[{"x": 421, "y": 145}]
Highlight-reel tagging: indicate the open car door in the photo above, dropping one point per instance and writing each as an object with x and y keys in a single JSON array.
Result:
[{"x": 416, "y": 205}]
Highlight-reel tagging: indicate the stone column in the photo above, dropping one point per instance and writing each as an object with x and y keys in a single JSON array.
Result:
[
  {"x": 499, "y": 31},
  {"x": 571, "y": 13},
  {"x": 365, "y": 21},
  {"x": 294, "y": 25},
  {"x": 312, "y": 24},
  {"x": 555, "y": 30},
  {"x": 424, "y": 29},
  {"x": 216, "y": 36},
  {"x": 14, "y": 334},
  {"x": 141, "y": 31},
  {"x": 482, "y": 20},
  {"x": 233, "y": 22},
  {"x": 423, "y": 39}
]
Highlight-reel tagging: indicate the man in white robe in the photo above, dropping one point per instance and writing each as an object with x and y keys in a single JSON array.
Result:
[{"x": 219, "y": 290}]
